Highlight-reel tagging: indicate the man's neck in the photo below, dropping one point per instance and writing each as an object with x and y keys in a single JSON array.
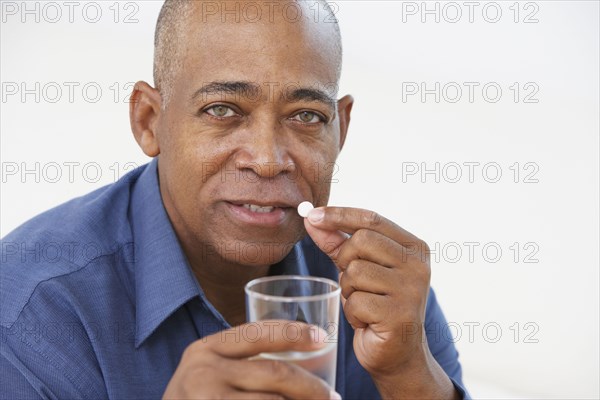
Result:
[{"x": 223, "y": 284}]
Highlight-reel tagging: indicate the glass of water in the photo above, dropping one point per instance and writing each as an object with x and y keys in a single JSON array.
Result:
[{"x": 309, "y": 299}]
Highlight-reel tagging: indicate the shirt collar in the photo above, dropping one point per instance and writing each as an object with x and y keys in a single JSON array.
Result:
[
  {"x": 292, "y": 264},
  {"x": 164, "y": 280}
]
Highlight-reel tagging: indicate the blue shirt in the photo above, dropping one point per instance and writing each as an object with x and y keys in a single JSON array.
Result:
[{"x": 98, "y": 301}]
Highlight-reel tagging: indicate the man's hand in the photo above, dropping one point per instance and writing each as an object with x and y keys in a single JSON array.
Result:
[
  {"x": 217, "y": 367},
  {"x": 384, "y": 276}
]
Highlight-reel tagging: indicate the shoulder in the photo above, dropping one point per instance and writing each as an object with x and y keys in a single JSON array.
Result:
[{"x": 64, "y": 240}]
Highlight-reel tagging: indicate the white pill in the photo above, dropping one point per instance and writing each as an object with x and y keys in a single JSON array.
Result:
[{"x": 304, "y": 208}]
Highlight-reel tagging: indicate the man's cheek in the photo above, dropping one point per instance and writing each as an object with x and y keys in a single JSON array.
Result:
[{"x": 208, "y": 169}]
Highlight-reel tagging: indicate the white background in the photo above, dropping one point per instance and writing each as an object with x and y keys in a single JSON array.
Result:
[{"x": 538, "y": 305}]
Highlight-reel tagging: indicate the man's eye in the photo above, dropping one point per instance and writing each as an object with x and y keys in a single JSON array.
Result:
[
  {"x": 220, "y": 111},
  {"x": 308, "y": 117}
]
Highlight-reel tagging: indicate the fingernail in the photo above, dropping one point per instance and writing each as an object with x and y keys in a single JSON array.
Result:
[
  {"x": 316, "y": 215},
  {"x": 333, "y": 395}
]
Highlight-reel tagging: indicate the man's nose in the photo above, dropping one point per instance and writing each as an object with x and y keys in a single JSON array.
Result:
[{"x": 266, "y": 151}]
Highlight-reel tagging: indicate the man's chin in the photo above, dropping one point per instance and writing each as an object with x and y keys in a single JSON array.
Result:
[{"x": 251, "y": 254}]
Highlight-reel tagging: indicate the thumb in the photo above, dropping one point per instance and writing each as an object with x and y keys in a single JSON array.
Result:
[{"x": 330, "y": 242}]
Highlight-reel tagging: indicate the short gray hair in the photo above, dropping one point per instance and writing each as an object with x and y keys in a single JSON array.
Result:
[{"x": 169, "y": 33}]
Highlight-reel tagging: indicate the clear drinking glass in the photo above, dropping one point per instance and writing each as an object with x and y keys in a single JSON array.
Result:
[{"x": 309, "y": 299}]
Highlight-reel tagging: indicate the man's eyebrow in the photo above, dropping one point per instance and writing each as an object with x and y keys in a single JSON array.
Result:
[
  {"x": 227, "y": 87},
  {"x": 306, "y": 94},
  {"x": 250, "y": 89}
]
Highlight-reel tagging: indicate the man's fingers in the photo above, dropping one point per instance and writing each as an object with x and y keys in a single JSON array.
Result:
[
  {"x": 329, "y": 242},
  {"x": 362, "y": 309},
  {"x": 229, "y": 364},
  {"x": 350, "y": 220},
  {"x": 366, "y": 276},
  {"x": 250, "y": 339},
  {"x": 275, "y": 376},
  {"x": 241, "y": 395},
  {"x": 373, "y": 246},
  {"x": 373, "y": 237}
]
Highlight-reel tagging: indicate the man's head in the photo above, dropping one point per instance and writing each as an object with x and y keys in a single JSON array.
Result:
[{"x": 244, "y": 113}]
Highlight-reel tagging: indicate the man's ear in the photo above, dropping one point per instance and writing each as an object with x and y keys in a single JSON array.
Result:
[
  {"x": 344, "y": 108},
  {"x": 144, "y": 111}
]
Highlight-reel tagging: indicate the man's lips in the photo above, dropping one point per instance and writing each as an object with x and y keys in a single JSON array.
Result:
[
  {"x": 263, "y": 203},
  {"x": 263, "y": 213}
]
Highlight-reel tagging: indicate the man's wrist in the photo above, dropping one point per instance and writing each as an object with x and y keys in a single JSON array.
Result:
[{"x": 420, "y": 378}]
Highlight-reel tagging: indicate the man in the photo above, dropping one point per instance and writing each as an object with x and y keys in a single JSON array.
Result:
[{"x": 242, "y": 125}]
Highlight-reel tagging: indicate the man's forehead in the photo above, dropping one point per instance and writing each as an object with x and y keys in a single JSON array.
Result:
[
  {"x": 289, "y": 17},
  {"x": 223, "y": 48},
  {"x": 292, "y": 11}
]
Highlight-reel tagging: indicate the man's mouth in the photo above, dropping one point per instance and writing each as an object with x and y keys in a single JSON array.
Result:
[
  {"x": 258, "y": 209},
  {"x": 259, "y": 213}
]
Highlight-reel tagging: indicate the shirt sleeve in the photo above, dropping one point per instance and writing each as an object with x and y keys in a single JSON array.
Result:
[
  {"x": 441, "y": 343},
  {"x": 14, "y": 384},
  {"x": 30, "y": 373},
  {"x": 46, "y": 354}
]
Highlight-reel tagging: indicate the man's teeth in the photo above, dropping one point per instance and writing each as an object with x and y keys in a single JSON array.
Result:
[{"x": 259, "y": 209}]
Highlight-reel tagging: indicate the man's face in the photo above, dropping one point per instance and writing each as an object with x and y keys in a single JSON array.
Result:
[{"x": 251, "y": 122}]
